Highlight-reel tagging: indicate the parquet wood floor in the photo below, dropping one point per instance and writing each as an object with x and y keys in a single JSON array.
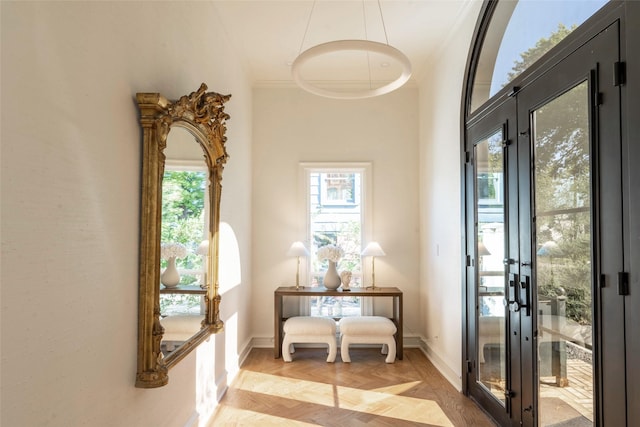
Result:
[{"x": 311, "y": 392}]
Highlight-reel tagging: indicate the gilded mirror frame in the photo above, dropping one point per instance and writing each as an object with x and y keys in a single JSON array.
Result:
[{"x": 202, "y": 114}]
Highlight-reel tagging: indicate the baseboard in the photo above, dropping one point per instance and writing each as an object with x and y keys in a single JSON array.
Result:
[
  {"x": 193, "y": 420},
  {"x": 449, "y": 374},
  {"x": 261, "y": 342},
  {"x": 412, "y": 341},
  {"x": 223, "y": 381},
  {"x": 222, "y": 384},
  {"x": 246, "y": 349}
]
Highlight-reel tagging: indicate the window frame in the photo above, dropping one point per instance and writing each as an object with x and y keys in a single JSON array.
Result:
[{"x": 366, "y": 217}]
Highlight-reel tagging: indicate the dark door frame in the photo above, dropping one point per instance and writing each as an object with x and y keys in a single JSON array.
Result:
[{"x": 629, "y": 258}]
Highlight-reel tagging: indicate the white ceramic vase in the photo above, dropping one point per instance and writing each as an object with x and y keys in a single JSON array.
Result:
[
  {"x": 170, "y": 276},
  {"x": 331, "y": 277}
]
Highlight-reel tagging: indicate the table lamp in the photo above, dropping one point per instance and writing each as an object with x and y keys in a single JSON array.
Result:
[
  {"x": 297, "y": 250},
  {"x": 203, "y": 251},
  {"x": 373, "y": 250}
]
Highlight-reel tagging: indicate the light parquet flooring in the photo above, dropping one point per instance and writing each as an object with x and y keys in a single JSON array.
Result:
[{"x": 311, "y": 392}]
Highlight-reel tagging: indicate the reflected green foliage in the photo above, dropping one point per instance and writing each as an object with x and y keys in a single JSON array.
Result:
[
  {"x": 179, "y": 304},
  {"x": 562, "y": 200},
  {"x": 345, "y": 235},
  {"x": 562, "y": 189},
  {"x": 183, "y": 215}
]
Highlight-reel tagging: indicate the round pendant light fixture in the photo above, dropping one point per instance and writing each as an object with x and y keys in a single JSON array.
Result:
[{"x": 369, "y": 47}]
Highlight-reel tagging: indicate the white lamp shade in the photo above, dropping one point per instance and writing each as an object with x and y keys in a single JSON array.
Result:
[
  {"x": 550, "y": 249},
  {"x": 482, "y": 250},
  {"x": 203, "y": 248},
  {"x": 373, "y": 249},
  {"x": 297, "y": 249}
]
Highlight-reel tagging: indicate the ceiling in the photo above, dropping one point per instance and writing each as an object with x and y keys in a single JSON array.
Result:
[{"x": 270, "y": 34}]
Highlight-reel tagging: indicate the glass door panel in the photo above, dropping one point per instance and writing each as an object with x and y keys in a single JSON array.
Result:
[
  {"x": 490, "y": 238},
  {"x": 562, "y": 200}
]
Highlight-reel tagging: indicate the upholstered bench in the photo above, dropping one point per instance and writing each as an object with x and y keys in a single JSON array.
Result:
[
  {"x": 307, "y": 329},
  {"x": 367, "y": 330},
  {"x": 180, "y": 328}
]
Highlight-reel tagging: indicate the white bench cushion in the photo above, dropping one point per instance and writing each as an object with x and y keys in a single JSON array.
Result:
[
  {"x": 307, "y": 325},
  {"x": 367, "y": 325},
  {"x": 180, "y": 327}
]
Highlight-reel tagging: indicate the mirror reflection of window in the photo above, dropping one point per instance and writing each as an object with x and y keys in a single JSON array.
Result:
[
  {"x": 183, "y": 217},
  {"x": 185, "y": 221}
]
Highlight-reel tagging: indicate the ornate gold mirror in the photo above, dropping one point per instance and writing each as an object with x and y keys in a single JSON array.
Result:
[{"x": 183, "y": 155}]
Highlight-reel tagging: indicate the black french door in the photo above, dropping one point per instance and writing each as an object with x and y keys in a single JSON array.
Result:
[{"x": 545, "y": 321}]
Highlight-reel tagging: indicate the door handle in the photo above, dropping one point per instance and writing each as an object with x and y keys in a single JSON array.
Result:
[
  {"x": 518, "y": 302},
  {"x": 525, "y": 286},
  {"x": 514, "y": 306}
]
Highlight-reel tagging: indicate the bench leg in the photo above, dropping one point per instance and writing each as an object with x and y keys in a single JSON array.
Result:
[
  {"x": 287, "y": 346},
  {"x": 344, "y": 349},
  {"x": 388, "y": 347},
  {"x": 391, "y": 353},
  {"x": 332, "y": 350}
]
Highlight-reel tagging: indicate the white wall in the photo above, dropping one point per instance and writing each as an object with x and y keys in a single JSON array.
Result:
[
  {"x": 70, "y": 207},
  {"x": 440, "y": 200},
  {"x": 291, "y": 126}
]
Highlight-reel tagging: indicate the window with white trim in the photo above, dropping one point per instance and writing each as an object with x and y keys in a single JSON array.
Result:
[{"x": 336, "y": 212}]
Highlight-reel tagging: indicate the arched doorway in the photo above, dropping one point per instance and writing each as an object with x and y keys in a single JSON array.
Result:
[{"x": 545, "y": 240}]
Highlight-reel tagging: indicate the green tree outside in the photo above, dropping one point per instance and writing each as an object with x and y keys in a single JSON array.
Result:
[
  {"x": 562, "y": 189},
  {"x": 183, "y": 221}
]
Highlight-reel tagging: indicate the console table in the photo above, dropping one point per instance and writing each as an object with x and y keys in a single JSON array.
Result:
[{"x": 291, "y": 291}]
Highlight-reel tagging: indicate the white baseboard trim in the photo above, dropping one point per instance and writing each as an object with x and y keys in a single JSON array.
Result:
[
  {"x": 261, "y": 342},
  {"x": 221, "y": 386},
  {"x": 193, "y": 420},
  {"x": 412, "y": 342},
  {"x": 449, "y": 374},
  {"x": 246, "y": 349}
]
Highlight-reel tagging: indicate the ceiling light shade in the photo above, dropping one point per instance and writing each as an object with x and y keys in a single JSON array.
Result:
[{"x": 367, "y": 46}]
